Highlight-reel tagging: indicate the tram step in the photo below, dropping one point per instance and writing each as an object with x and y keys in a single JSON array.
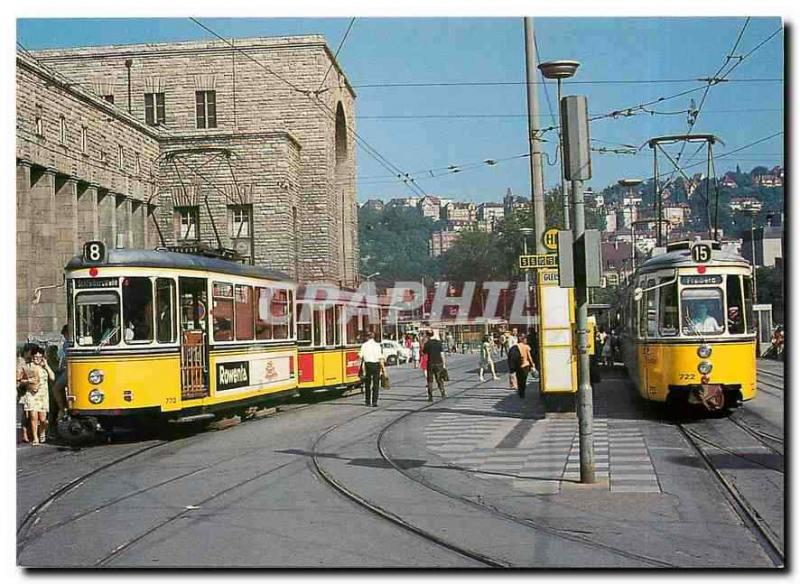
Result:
[{"x": 194, "y": 418}]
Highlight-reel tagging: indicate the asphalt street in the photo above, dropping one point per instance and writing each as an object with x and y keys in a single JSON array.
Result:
[{"x": 479, "y": 479}]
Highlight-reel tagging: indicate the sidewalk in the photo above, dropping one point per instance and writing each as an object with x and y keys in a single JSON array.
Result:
[{"x": 653, "y": 495}]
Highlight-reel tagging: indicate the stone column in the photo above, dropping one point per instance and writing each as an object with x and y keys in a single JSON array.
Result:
[
  {"x": 107, "y": 217},
  {"x": 88, "y": 213},
  {"x": 123, "y": 220},
  {"x": 43, "y": 262},
  {"x": 23, "y": 248},
  {"x": 66, "y": 208},
  {"x": 138, "y": 226}
]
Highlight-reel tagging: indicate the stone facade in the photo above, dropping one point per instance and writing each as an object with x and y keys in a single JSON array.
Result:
[{"x": 281, "y": 150}]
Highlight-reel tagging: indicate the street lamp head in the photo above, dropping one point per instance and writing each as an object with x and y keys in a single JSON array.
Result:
[
  {"x": 629, "y": 182},
  {"x": 525, "y": 230},
  {"x": 559, "y": 69}
]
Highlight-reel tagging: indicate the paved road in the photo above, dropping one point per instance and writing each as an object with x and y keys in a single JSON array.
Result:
[{"x": 486, "y": 476}]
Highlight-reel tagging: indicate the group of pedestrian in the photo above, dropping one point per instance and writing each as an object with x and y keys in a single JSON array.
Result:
[
  {"x": 37, "y": 384},
  {"x": 606, "y": 347},
  {"x": 520, "y": 362}
]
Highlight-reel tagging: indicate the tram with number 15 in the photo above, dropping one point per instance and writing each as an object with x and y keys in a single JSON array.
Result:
[{"x": 688, "y": 333}]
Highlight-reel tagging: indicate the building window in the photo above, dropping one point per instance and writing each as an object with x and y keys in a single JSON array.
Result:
[
  {"x": 154, "y": 109},
  {"x": 240, "y": 220},
  {"x": 206, "y": 108},
  {"x": 109, "y": 98},
  {"x": 38, "y": 122},
  {"x": 63, "y": 130},
  {"x": 120, "y": 157},
  {"x": 186, "y": 221},
  {"x": 84, "y": 139}
]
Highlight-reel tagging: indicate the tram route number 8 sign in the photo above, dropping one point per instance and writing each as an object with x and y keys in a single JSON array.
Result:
[
  {"x": 701, "y": 253},
  {"x": 94, "y": 252}
]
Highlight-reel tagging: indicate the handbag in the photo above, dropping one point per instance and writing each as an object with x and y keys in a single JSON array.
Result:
[{"x": 385, "y": 382}]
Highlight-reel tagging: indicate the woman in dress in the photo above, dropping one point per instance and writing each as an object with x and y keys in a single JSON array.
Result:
[
  {"x": 415, "y": 349},
  {"x": 36, "y": 399},
  {"x": 486, "y": 359},
  {"x": 423, "y": 361}
]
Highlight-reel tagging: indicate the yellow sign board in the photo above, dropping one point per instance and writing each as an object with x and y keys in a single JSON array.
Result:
[
  {"x": 550, "y": 239},
  {"x": 543, "y": 260},
  {"x": 548, "y": 277}
]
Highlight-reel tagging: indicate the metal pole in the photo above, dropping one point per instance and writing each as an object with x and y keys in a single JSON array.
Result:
[
  {"x": 537, "y": 190},
  {"x": 527, "y": 286},
  {"x": 753, "y": 249},
  {"x": 585, "y": 398},
  {"x": 657, "y": 201},
  {"x": 564, "y": 192}
]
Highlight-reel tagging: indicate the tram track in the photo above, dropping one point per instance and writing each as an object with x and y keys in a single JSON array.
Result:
[{"x": 764, "y": 535}]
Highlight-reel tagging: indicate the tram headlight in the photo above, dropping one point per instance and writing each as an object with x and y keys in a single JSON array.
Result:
[
  {"x": 96, "y": 396},
  {"x": 704, "y": 367},
  {"x": 96, "y": 376},
  {"x": 704, "y": 351}
]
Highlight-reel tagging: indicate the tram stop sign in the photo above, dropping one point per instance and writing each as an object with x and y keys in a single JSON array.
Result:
[{"x": 550, "y": 239}]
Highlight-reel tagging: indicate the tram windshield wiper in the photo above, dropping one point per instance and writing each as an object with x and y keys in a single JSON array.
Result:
[{"x": 106, "y": 339}]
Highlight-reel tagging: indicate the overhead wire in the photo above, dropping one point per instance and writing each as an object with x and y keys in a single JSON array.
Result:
[
  {"x": 336, "y": 54},
  {"x": 369, "y": 149}
]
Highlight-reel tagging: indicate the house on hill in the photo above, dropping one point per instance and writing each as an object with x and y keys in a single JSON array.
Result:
[{"x": 430, "y": 207}]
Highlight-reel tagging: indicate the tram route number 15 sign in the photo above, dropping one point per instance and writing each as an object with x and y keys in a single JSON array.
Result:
[{"x": 701, "y": 253}]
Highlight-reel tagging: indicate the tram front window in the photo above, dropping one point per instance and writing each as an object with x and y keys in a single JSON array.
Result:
[
  {"x": 137, "y": 305},
  {"x": 97, "y": 319},
  {"x": 702, "y": 311}
]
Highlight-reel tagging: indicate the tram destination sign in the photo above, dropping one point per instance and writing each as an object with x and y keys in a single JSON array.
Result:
[
  {"x": 86, "y": 283},
  {"x": 542, "y": 260},
  {"x": 701, "y": 280}
]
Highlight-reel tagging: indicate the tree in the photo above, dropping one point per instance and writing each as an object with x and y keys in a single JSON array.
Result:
[{"x": 474, "y": 257}]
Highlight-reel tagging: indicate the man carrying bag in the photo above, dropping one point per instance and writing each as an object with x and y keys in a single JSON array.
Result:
[
  {"x": 372, "y": 364},
  {"x": 436, "y": 365}
]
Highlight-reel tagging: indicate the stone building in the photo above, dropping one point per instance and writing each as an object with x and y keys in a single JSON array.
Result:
[{"x": 142, "y": 145}]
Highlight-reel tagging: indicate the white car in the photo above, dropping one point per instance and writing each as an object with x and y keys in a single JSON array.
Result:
[{"x": 394, "y": 352}]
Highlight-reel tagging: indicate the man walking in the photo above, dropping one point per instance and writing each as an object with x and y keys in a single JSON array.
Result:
[
  {"x": 435, "y": 352},
  {"x": 372, "y": 363}
]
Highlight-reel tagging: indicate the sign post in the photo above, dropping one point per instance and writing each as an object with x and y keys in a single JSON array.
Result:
[{"x": 578, "y": 168}]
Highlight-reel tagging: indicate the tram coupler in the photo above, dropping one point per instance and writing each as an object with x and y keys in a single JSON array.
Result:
[
  {"x": 710, "y": 396},
  {"x": 77, "y": 430}
]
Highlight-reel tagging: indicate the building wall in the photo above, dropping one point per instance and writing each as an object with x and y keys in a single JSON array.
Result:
[
  {"x": 67, "y": 196},
  {"x": 252, "y": 97}
]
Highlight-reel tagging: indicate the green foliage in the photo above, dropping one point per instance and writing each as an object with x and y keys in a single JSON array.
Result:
[
  {"x": 770, "y": 290},
  {"x": 475, "y": 256}
]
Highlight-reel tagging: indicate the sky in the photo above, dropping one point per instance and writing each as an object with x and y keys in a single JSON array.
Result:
[{"x": 427, "y": 124}]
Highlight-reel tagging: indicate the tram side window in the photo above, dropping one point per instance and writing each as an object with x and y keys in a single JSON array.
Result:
[
  {"x": 263, "y": 320},
  {"x": 244, "y": 313},
  {"x": 319, "y": 341},
  {"x": 702, "y": 311},
  {"x": 97, "y": 319},
  {"x": 222, "y": 311},
  {"x": 669, "y": 307},
  {"x": 303, "y": 323},
  {"x": 330, "y": 324},
  {"x": 165, "y": 317},
  {"x": 351, "y": 329},
  {"x": 279, "y": 309},
  {"x": 733, "y": 293},
  {"x": 748, "y": 304},
  {"x": 137, "y": 309}
]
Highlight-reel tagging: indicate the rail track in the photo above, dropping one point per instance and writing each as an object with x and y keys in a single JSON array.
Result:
[{"x": 768, "y": 540}]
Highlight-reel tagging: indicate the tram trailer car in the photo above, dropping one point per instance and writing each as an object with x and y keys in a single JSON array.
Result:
[
  {"x": 160, "y": 335},
  {"x": 688, "y": 329}
]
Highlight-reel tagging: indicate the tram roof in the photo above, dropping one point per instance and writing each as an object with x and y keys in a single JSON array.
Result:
[
  {"x": 682, "y": 258},
  {"x": 146, "y": 258}
]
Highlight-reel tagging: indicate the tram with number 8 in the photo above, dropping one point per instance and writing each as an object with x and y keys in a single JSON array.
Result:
[
  {"x": 688, "y": 333},
  {"x": 160, "y": 335}
]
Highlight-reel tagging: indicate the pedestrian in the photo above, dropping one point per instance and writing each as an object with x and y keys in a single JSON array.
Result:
[
  {"x": 608, "y": 351},
  {"x": 599, "y": 344},
  {"x": 512, "y": 338},
  {"x": 23, "y": 362},
  {"x": 58, "y": 389},
  {"x": 451, "y": 344},
  {"x": 436, "y": 364},
  {"x": 513, "y": 365},
  {"x": 486, "y": 358},
  {"x": 525, "y": 364},
  {"x": 36, "y": 400},
  {"x": 415, "y": 348},
  {"x": 423, "y": 359},
  {"x": 372, "y": 362}
]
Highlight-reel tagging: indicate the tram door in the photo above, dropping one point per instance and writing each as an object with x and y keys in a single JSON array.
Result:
[
  {"x": 194, "y": 338},
  {"x": 649, "y": 357}
]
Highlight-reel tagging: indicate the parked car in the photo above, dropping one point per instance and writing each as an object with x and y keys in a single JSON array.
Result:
[{"x": 394, "y": 352}]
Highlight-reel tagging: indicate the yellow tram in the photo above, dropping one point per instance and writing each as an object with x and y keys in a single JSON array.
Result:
[
  {"x": 161, "y": 335},
  {"x": 687, "y": 327}
]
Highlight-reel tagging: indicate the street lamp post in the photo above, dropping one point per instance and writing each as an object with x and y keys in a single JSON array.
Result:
[{"x": 560, "y": 70}]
